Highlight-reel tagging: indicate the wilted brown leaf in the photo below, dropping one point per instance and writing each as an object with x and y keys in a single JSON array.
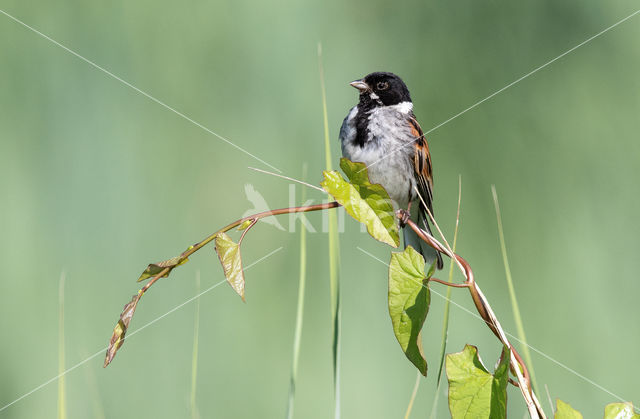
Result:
[
  {"x": 155, "y": 268},
  {"x": 117, "y": 339}
]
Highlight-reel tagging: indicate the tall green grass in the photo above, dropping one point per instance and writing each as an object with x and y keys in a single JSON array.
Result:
[
  {"x": 302, "y": 280},
  {"x": 447, "y": 305},
  {"x": 512, "y": 294},
  {"x": 334, "y": 250},
  {"x": 414, "y": 393}
]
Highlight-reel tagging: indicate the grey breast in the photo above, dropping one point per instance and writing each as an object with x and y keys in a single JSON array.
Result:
[{"x": 390, "y": 164}]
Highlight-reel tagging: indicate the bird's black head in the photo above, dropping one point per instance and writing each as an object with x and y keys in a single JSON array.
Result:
[{"x": 382, "y": 89}]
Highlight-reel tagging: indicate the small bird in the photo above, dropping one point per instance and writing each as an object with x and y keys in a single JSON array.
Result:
[{"x": 382, "y": 132}]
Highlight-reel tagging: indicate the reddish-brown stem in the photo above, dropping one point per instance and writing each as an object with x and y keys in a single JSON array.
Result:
[
  {"x": 253, "y": 222},
  {"x": 117, "y": 338},
  {"x": 254, "y": 218},
  {"x": 449, "y": 284}
]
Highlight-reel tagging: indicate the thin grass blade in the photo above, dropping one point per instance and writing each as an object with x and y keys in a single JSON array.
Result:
[
  {"x": 512, "y": 294},
  {"x": 334, "y": 250},
  {"x": 447, "y": 305},
  {"x": 414, "y": 393},
  {"x": 302, "y": 280}
]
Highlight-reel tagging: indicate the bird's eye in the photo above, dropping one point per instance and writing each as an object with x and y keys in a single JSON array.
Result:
[{"x": 382, "y": 85}]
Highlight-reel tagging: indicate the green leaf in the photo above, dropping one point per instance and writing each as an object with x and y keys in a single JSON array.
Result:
[
  {"x": 155, "y": 268},
  {"x": 229, "y": 255},
  {"x": 620, "y": 411},
  {"x": 409, "y": 299},
  {"x": 117, "y": 338},
  {"x": 565, "y": 411},
  {"x": 368, "y": 203},
  {"x": 473, "y": 391}
]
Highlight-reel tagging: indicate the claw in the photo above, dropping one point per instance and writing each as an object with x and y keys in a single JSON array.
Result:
[{"x": 403, "y": 217}]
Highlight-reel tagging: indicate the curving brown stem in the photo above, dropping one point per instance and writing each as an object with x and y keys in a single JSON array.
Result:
[
  {"x": 253, "y": 218},
  {"x": 120, "y": 330},
  {"x": 518, "y": 367}
]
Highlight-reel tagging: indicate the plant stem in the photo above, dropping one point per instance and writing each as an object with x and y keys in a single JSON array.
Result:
[
  {"x": 119, "y": 332},
  {"x": 449, "y": 284}
]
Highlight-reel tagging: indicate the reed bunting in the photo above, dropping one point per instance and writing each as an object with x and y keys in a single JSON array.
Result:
[{"x": 382, "y": 132}]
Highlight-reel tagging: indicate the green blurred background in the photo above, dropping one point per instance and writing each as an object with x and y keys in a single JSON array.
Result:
[{"x": 97, "y": 180}]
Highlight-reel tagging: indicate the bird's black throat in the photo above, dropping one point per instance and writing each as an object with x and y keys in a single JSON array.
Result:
[{"x": 365, "y": 106}]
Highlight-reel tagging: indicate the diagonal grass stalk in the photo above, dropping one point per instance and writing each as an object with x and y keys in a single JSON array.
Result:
[
  {"x": 447, "y": 305},
  {"x": 512, "y": 293},
  {"x": 553, "y": 409},
  {"x": 300, "y": 309},
  {"x": 334, "y": 250},
  {"x": 414, "y": 393}
]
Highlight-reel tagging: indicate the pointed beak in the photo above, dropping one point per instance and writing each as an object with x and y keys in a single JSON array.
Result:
[{"x": 360, "y": 85}]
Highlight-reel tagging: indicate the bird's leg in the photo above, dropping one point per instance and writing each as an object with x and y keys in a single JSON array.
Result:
[
  {"x": 403, "y": 216},
  {"x": 406, "y": 215}
]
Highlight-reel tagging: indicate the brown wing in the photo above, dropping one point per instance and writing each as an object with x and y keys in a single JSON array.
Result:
[
  {"x": 424, "y": 176},
  {"x": 422, "y": 165}
]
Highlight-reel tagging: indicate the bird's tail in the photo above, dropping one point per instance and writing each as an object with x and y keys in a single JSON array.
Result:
[{"x": 429, "y": 253}]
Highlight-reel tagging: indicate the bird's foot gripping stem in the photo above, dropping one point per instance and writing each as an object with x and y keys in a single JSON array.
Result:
[{"x": 403, "y": 216}]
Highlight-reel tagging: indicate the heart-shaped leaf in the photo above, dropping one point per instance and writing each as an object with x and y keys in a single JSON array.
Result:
[
  {"x": 229, "y": 255},
  {"x": 473, "y": 391},
  {"x": 409, "y": 299},
  {"x": 366, "y": 202}
]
